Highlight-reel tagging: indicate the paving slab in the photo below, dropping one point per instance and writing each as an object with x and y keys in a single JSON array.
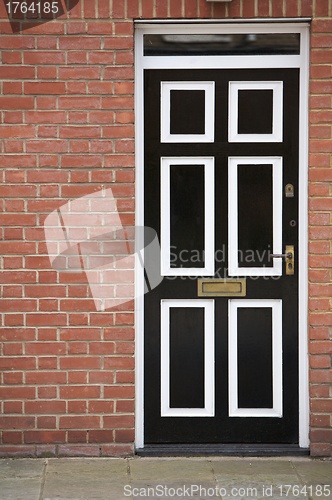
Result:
[
  {"x": 21, "y": 479},
  {"x": 85, "y": 479}
]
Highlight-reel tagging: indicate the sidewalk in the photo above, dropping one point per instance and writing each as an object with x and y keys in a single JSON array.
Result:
[{"x": 193, "y": 478}]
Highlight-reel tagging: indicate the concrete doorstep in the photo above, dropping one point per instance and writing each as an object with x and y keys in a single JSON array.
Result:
[{"x": 161, "y": 478}]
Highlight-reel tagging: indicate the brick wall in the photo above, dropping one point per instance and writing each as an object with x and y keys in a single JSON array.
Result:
[{"x": 67, "y": 129}]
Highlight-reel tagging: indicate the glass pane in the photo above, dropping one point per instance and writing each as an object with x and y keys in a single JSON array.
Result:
[
  {"x": 222, "y": 44},
  {"x": 186, "y": 357},
  {"x": 187, "y": 215},
  {"x": 187, "y": 112},
  {"x": 255, "y": 212},
  {"x": 255, "y": 111},
  {"x": 255, "y": 357}
]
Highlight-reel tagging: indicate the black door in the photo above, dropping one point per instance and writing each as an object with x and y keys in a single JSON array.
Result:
[{"x": 221, "y": 190}]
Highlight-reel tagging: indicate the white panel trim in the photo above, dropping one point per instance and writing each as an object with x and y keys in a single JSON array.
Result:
[
  {"x": 165, "y": 96},
  {"x": 208, "y": 410},
  {"x": 165, "y": 200},
  {"x": 233, "y": 247},
  {"x": 234, "y": 410},
  {"x": 277, "y": 112}
]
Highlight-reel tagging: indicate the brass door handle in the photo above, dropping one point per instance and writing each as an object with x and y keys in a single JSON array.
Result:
[
  {"x": 288, "y": 255},
  {"x": 289, "y": 258}
]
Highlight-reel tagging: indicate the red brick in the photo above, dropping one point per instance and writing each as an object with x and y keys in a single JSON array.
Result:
[
  {"x": 125, "y": 406},
  {"x": 125, "y": 436},
  {"x": 12, "y": 88},
  {"x": 234, "y": 9},
  {"x": 123, "y": 28},
  {"x": 9, "y": 437},
  {"x": 120, "y": 450},
  {"x": 80, "y": 102},
  {"x": 47, "y": 363},
  {"x": 79, "y": 43},
  {"x": 19, "y": 363},
  {"x": 101, "y": 57},
  {"x": 15, "y": 392},
  {"x": 77, "y": 348},
  {"x": 80, "y": 73},
  {"x": 119, "y": 422},
  {"x": 46, "y": 422},
  {"x": 15, "y": 349},
  {"x": 46, "y": 319},
  {"x": 101, "y": 436},
  {"x": 79, "y": 422},
  {"x": 17, "y": 422},
  {"x": 74, "y": 363},
  {"x": 147, "y": 8},
  {"x": 114, "y": 42},
  {"x": 320, "y": 450},
  {"x": 47, "y": 146},
  {"x": 12, "y": 57},
  {"x": 320, "y": 420},
  {"x": 80, "y": 392},
  {"x": 320, "y": 361},
  {"x": 13, "y": 320},
  {"x": 45, "y": 436},
  {"x": 47, "y": 392},
  {"x": 79, "y": 451},
  {"x": 125, "y": 392},
  {"x": 321, "y": 405},
  {"x": 321, "y": 435},
  {"x": 97, "y": 28},
  {"x": 79, "y": 132},
  {"x": 319, "y": 333},
  {"x": 45, "y": 407},
  {"x": 46, "y": 378},
  {"x": 319, "y": 391},
  {"x": 117, "y": 102},
  {"x": 14, "y": 378},
  {"x": 39, "y": 57},
  {"x": 77, "y": 436},
  {"x": 16, "y": 102},
  {"x": 101, "y": 377},
  {"x": 103, "y": 407},
  {"x": 320, "y": 347},
  {"x": 321, "y": 376},
  {"x": 118, "y": 11},
  {"x": 77, "y": 407},
  {"x": 16, "y": 72},
  {"x": 45, "y": 348},
  {"x": 12, "y": 407},
  {"x": 204, "y": 8}
]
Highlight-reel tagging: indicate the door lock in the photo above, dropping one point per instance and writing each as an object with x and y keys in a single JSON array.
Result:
[{"x": 289, "y": 258}]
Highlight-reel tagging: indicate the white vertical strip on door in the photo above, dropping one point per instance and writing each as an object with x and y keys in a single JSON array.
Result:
[
  {"x": 233, "y": 225},
  {"x": 276, "y": 306},
  {"x": 165, "y": 129},
  {"x": 208, "y": 165},
  {"x": 208, "y": 410},
  {"x": 277, "y": 112}
]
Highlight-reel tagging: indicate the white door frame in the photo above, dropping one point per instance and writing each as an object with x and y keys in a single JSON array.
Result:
[{"x": 226, "y": 62}]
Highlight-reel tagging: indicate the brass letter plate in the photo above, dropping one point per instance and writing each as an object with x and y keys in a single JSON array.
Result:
[{"x": 221, "y": 288}]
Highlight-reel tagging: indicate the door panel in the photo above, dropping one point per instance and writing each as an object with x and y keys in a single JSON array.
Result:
[{"x": 220, "y": 147}]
